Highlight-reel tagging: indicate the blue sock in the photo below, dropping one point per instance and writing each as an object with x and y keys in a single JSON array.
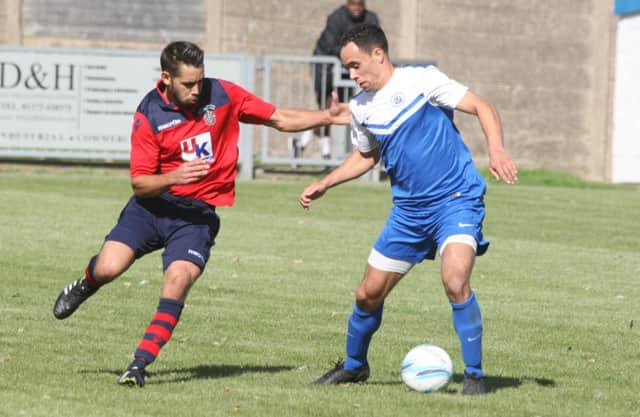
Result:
[
  {"x": 467, "y": 321},
  {"x": 362, "y": 325}
]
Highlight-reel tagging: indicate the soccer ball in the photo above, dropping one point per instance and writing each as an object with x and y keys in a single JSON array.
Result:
[{"x": 427, "y": 368}]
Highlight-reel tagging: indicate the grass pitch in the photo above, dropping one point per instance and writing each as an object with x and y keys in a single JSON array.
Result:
[{"x": 558, "y": 290}]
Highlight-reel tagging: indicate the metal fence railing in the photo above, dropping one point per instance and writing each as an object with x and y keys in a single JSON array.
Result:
[{"x": 304, "y": 82}]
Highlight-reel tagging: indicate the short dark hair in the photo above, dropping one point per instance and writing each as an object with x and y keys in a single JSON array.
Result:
[
  {"x": 366, "y": 37},
  {"x": 181, "y": 52}
]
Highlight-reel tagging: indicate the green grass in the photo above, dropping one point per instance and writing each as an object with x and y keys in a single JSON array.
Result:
[{"x": 558, "y": 289}]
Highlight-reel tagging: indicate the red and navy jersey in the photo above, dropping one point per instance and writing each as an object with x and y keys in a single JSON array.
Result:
[{"x": 164, "y": 136}]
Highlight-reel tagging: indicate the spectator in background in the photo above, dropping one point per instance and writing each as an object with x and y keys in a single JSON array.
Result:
[{"x": 339, "y": 22}]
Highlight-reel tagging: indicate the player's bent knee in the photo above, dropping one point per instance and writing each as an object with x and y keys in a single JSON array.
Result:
[
  {"x": 457, "y": 290},
  {"x": 178, "y": 280},
  {"x": 368, "y": 300},
  {"x": 114, "y": 258},
  {"x": 183, "y": 268},
  {"x": 372, "y": 292},
  {"x": 180, "y": 276},
  {"x": 106, "y": 271}
]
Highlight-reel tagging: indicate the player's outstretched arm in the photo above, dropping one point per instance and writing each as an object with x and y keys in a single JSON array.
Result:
[
  {"x": 354, "y": 166},
  {"x": 154, "y": 185},
  {"x": 500, "y": 164},
  {"x": 295, "y": 120}
]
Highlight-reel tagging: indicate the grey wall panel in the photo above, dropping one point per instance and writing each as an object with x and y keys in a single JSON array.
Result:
[{"x": 123, "y": 20}]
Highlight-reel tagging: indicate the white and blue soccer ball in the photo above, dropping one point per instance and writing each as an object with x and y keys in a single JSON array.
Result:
[{"x": 427, "y": 368}]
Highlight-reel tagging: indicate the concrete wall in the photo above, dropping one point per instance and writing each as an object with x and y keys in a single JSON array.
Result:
[
  {"x": 548, "y": 66},
  {"x": 10, "y": 18},
  {"x": 115, "y": 20}
]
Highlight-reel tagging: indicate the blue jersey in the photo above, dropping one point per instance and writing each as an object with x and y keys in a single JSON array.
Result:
[{"x": 411, "y": 120}]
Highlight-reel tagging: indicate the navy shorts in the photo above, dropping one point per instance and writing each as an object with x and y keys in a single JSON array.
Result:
[{"x": 185, "y": 228}]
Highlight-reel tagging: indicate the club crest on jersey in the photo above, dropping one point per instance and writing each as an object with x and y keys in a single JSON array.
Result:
[
  {"x": 209, "y": 115},
  {"x": 199, "y": 146},
  {"x": 397, "y": 99},
  {"x": 137, "y": 124}
]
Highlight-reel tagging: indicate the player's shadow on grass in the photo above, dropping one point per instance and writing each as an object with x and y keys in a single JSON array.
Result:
[
  {"x": 496, "y": 383},
  {"x": 212, "y": 371},
  {"x": 164, "y": 376},
  {"x": 492, "y": 383}
]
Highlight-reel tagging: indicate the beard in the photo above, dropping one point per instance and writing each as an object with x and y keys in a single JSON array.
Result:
[{"x": 188, "y": 103}]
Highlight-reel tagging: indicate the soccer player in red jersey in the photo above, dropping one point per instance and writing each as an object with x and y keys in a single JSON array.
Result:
[{"x": 184, "y": 154}]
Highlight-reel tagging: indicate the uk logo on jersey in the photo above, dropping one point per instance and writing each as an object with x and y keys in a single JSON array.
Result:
[{"x": 199, "y": 146}]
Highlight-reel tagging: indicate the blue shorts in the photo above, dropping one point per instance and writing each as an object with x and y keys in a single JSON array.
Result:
[
  {"x": 413, "y": 235},
  {"x": 185, "y": 228}
]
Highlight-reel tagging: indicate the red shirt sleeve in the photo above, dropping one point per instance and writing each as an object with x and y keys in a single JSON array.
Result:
[
  {"x": 252, "y": 109},
  {"x": 145, "y": 149}
]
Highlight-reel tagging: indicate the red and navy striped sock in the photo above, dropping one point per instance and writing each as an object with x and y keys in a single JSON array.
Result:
[
  {"x": 88, "y": 273},
  {"x": 158, "y": 332}
]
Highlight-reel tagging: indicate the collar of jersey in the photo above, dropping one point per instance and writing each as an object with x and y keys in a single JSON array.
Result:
[{"x": 171, "y": 106}]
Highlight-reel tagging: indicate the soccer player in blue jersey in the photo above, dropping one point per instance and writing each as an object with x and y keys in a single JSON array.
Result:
[{"x": 405, "y": 117}]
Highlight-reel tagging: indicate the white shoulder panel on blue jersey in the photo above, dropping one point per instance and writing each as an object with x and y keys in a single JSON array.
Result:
[
  {"x": 361, "y": 137},
  {"x": 439, "y": 89},
  {"x": 382, "y": 112}
]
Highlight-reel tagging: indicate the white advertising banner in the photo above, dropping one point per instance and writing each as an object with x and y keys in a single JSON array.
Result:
[
  {"x": 80, "y": 103},
  {"x": 626, "y": 120}
]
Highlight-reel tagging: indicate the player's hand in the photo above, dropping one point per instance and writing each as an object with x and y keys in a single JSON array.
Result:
[
  {"x": 312, "y": 192},
  {"x": 502, "y": 167},
  {"x": 191, "y": 171},
  {"x": 339, "y": 112}
]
